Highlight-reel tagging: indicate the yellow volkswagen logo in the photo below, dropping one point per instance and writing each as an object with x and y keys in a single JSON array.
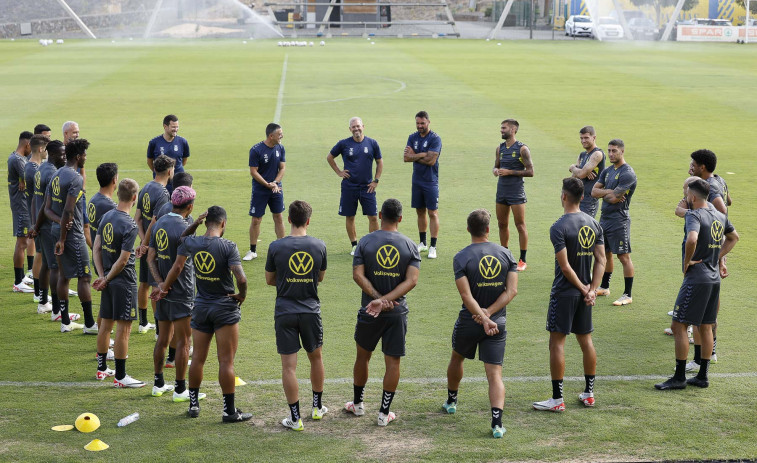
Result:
[
  {"x": 586, "y": 237},
  {"x": 92, "y": 212},
  {"x": 161, "y": 238},
  {"x": 146, "y": 203},
  {"x": 301, "y": 263},
  {"x": 56, "y": 186},
  {"x": 204, "y": 262},
  {"x": 108, "y": 233},
  {"x": 388, "y": 256},
  {"x": 489, "y": 267},
  {"x": 716, "y": 231},
  {"x": 37, "y": 180}
]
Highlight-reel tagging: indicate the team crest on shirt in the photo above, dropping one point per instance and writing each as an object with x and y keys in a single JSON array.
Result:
[
  {"x": 146, "y": 203},
  {"x": 366, "y": 150},
  {"x": 617, "y": 175},
  {"x": 204, "y": 262},
  {"x": 489, "y": 267},
  {"x": 108, "y": 233},
  {"x": 415, "y": 145},
  {"x": 301, "y": 263},
  {"x": 716, "y": 230},
  {"x": 56, "y": 186},
  {"x": 161, "y": 239},
  {"x": 425, "y": 144},
  {"x": 162, "y": 150},
  {"x": 265, "y": 157},
  {"x": 388, "y": 256},
  {"x": 91, "y": 212},
  {"x": 277, "y": 154},
  {"x": 350, "y": 153},
  {"x": 176, "y": 148},
  {"x": 586, "y": 237}
]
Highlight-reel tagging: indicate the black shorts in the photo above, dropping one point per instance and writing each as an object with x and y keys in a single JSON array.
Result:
[
  {"x": 47, "y": 244},
  {"x": 617, "y": 234},
  {"x": 469, "y": 335},
  {"x": 390, "y": 329},
  {"x": 697, "y": 304},
  {"x": 20, "y": 221},
  {"x": 209, "y": 316},
  {"x": 143, "y": 269},
  {"x": 169, "y": 311},
  {"x": 589, "y": 208},
  {"x": 119, "y": 302},
  {"x": 569, "y": 314},
  {"x": 74, "y": 262},
  {"x": 38, "y": 244},
  {"x": 292, "y": 327},
  {"x": 510, "y": 196}
]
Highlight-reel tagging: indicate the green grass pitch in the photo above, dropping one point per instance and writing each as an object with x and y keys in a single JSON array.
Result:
[{"x": 664, "y": 100}]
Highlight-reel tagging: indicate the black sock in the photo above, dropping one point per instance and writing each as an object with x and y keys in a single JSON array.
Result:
[
  {"x": 451, "y": 396},
  {"x": 193, "y": 397},
  {"x": 317, "y": 399},
  {"x": 294, "y": 410},
  {"x": 19, "y": 275},
  {"x": 157, "y": 326},
  {"x": 86, "y": 307},
  {"x": 714, "y": 344},
  {"x": 63, "y": 305},
  {"x": 354, "y": 243},
  {"x": 29, "y": 263},
  {"x": 228, "y": 404},
  {"x": 606, "y": 280},
  {"x": 523, "y": 254},
  {"x": 433, "y": 242},
  {"x": 589, "y": 383},
  {"x": 159, "y": 381},
  {"x": 254, "y": 247},
  {"x": 557, "y": 388},
  {"x": 56, "y": 302},
  {"x": 181, "y": 386},
  {"x": 36, "y": 287},
  {"x": 43, "y": 296},
  {"x": 143, "y": 317},
  {"x": 171, "y": 354},
  {"x": 120, "y": 368},
  {"x": 496, "y": 417},
  {"x": 680, "y": 374},
  {"x": 697, "y": 354},
  {"x": 703, "y": 369},
  {"x": 357, "y": 394},
  {"x": 629, "y": 285},
  {"x": 386, "y": 402},
  {"x": 422, "y": 236},
  {"x": 102, "y": 364}
]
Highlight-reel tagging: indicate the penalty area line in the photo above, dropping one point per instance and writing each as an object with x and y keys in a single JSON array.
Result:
[
  {"x": 280, "y": 97},
  {"x": 433, "y": 380}
]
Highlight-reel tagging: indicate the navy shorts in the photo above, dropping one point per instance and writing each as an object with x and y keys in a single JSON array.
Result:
[
  {"x": 697, "y": 304},
  {"x": 389, "y": 329},
  {"x": 262, "y": 198},
  {"x": 74, "y": 262},
  {"x": 425, "y": 197},
  {"x": 510, "y": 196},
  {"x": 569, "y": 314},
  {"x": 292, "y": 327},
  {"x": 617, "y": 234},
  {"x": 469, "y": 335},
  {"x": 352, "y": 195},
  {"x": 209, "y": 316},
  {"x": 169, "y": 311},
  {"x": 119, "y": 302}
]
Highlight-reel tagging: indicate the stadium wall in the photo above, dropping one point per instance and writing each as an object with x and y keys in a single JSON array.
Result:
[{"x": 67, "y": 24}]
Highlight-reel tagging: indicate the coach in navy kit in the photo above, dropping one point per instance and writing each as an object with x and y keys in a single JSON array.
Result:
[{"x": 170, "y": 144}]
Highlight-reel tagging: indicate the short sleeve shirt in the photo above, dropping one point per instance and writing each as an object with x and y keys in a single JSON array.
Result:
[
  {"x": 486, "y": 266},
  {"x": 150, "y": 199},
  {"x": 621, "y": 179},
  {"x": 358, "y": 159},
  {"x": 46, "y": 172},
  {"x": 716, "y": 190},
  {"x": 165, "y": 238},
  {"x": 67, "y": 182},
  {"x": 178, "y": 149},
  {"x": 118, "y": 232},
  {"x": 168, "y": 207},
  {"x": 712, "y": 226},
  {"x": 16, "y": 163},
  {"x": 99, "y": 204},
  {"x": 297, "y": 261},
  {"x": 213, "y": 258},
  {"x": 578, "y": 233},
  {"x": 386, "y": 256},
  {"x": 583, "y": 158},
  {"x": 30, "y": 172},
  {"x": 423, "y": 174},
  {"x": 267, "y": 160}
]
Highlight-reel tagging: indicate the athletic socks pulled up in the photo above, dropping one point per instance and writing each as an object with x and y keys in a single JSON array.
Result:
[
  {"x": 353, "y": 243},
  {"x": 606, "y": 280},
  {"x": 317, "y": 399},
  {"x": 452, "y": 396},
  {"x": 703, "y": 367},
  {"x": 181, "y": 386},
  {"x": 102, "y": 364},
  {"x": 18, "y": 274},
  {"x": 496, "y": 417},
  {"x": 56, "y": 302},
  {"x": 680, "y": 374},
  {"x": 629, "y": 285},
  {"x": 523, "y": 254},
  {"x": 159, "y": 381},
  {"x": 422, "y": 236},
  {"x": 386, "y": 402},
  {"x": 195, "y": 402},
  {"x": 557, "y": 389},
  {"x": 294, "y": 410},
  {"x": 171, "y": 354},
  {"x": 697, "y": 354},
  {"x": 86, "y": 307},
  {"x": 43, "y": 296},
  {"x": 433, "y": 242},
  {"x": 143, "y": 317},
  {"x": 120, "y": 369},
  {"x": 29, "y": 263},
  {"x": 228, "y": 403},
  {"x": 63, "y": 307},
  {"x": 36, "y": 287},
  {"x": 589, "y": 384},
  {"x": 357, "y": 394},
  {"x": 253, "y": 248}
]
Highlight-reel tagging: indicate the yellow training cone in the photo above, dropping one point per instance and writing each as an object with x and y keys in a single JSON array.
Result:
[
  {"x": 96, "y": 445},
  {"x": 63, "y": 427},
  {"x": 239, "y": 381},
  {"x": 87, "y": 422}
]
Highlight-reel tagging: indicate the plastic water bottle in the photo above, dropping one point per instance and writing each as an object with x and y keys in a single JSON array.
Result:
[{"x": 128, "y": 420}]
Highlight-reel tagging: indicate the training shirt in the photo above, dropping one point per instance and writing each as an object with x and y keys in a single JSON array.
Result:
[
  {"x": 588, "y": 202},
  {"x": 118, "y": 232},
  {"x": 168, "y": 207},
  {"x": 578, "y": 233},
  {"x": 358, "y": 159},
  {"x": 46, "y": 172},
  {"x": 213, "y": 257},
  {"x": 712, "y": 226},
  {"x": 723, "y": 187},
  {"x": 297, "y": 261},
  {"x": 486, "y": 266},
  {"x": 30, "y": 175},
  {"x": 151, "y": 197},
  {"x": 510, "y": 158},
  {"x": 267, "y": 161},
  {"x": 98, "y": 205},
  {"x": 716, "y": 189},
  {"x": 423, "y": 174},
  {"x": 386, "y": 257},
  {"x": 16, "y": 163},
  {"x": 178, "y": 149},
  {"x": 620, "y": 179},
  {"x": 165, "y": 238},
  {"x": 67, "y": 182}
]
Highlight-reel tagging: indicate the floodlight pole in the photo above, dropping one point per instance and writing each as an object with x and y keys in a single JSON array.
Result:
[
  {"x": 76, "y": 18},
  {"x": 672, "y": 20},
  {"x": 531, "y": 21}
]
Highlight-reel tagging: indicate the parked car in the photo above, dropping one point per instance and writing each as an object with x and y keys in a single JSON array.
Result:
[
  {"x": 680, "y": 22},
  {"x": 643, "y": 28},
  {"x": 607, "y": 28},
  {"x": 712, "y": 22},
  {"x": 578, "y": 25}
]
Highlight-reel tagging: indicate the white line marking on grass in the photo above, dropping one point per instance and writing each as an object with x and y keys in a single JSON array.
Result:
[
  {"x": 402, "y": 87},
  {"x": 433, "y": 380},
  {"x": 280, "y": 98},
  {"x": 193, "y": 170}
]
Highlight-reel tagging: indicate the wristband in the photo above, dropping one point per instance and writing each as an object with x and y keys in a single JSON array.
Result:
[{"x": 375, "y": 180}]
